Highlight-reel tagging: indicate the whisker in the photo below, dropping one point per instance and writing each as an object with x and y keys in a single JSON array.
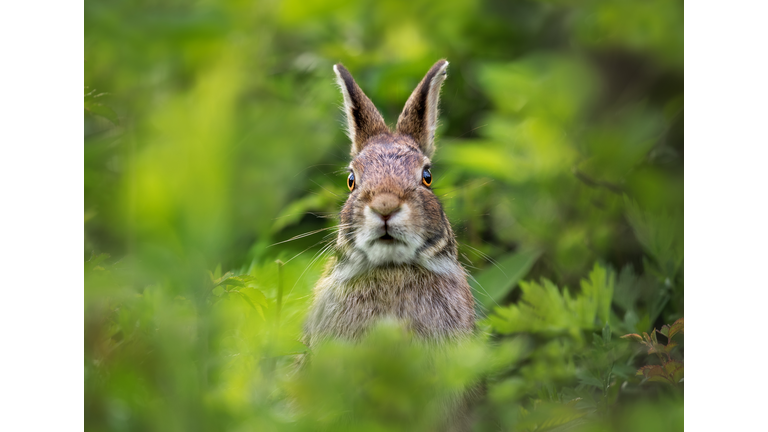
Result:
[
  {"x": 486, "y": 257},
  {"x": 468, "y": 262},
  {"x": 327, "y": 215},
  {"x": 300, "y": 236},
  {"x": 484, "y": 291},
  {"x": 323, "y": 188},
  {"x": 321, "y": 241},
  {"x": 472, "y": 130},
  {"x": 317, "y": 255}
]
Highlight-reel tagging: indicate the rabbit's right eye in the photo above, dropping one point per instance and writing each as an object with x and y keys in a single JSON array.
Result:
[{"x": 351, "y": 181}]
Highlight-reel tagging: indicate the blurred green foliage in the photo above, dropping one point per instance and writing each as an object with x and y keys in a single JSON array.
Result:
[{"x": 212, "y": 133}]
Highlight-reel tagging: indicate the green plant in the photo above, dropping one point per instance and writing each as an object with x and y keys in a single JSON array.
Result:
[
  {"x": 670, "y": 370},
  {"x": 212, "y": 150}
]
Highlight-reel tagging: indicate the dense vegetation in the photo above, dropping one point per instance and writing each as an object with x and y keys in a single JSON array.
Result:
[{"x": 212, "y": 136}]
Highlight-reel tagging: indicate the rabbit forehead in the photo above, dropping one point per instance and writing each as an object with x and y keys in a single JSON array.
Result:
[{"x": 388, "y": 160}]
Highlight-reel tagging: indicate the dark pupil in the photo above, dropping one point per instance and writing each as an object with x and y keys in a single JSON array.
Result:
[
  {"x": 351, "y": 180},
  {"x": 427, "y": 176}
]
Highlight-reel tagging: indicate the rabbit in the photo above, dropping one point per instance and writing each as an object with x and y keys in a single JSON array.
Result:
[{"x": 395, "y": 253}]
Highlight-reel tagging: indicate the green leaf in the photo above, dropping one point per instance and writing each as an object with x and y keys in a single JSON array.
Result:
[
  {"x": 668, "y": 347},
  {"x": 588, "y": 378},
  {"x": 654, "y": 373},
  {"x": 238, "y": 281},
  {"x": 323, "y": 200},
  {"x": 255, "y": 296},
  {"x": 96, "y": 260},
  {"x": 251, "y": 303},
  {"x": 600, "y": 288},
  {"x": 643, "y": 323},
  {"x": 675, "y": 370},
  {"x": 102, "y": 111},
  {"x": 543, "y": 308},
  {"x": 218, "y": 281},
  {"x": 664, "y": 330},
  {"x": 660, "y": 234},
  {"x": 607, "y": 334},
  {"x": 677, "y": 327},
  {"x": 492, "y": 284}
]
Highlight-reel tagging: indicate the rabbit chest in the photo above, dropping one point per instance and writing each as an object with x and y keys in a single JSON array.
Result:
[{"x": 433, "y": 306}]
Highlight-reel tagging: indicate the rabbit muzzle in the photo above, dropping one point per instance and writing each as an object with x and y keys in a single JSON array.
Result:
[{"x": 385, "y": 236}]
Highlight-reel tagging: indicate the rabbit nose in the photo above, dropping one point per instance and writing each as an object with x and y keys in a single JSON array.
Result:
[{"x": 385, "y": 205}]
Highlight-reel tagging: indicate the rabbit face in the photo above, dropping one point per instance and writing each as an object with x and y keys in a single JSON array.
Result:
[{"x": 392, "y": 217}]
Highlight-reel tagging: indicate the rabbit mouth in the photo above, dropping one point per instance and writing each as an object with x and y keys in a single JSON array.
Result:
[{"x": 387, "y": 238}]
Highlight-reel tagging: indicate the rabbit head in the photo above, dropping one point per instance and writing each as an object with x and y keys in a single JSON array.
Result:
[{"x": 392, "y": 217}]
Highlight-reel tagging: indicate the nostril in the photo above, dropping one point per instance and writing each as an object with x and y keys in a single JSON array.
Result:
[{"x": 385, "y": 214}]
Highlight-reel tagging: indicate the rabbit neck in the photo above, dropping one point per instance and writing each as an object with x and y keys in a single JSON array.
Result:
[{"x": 434, "y": 306}]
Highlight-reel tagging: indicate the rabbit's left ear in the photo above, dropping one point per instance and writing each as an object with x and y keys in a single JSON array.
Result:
[{"x": 419, "y": 117}]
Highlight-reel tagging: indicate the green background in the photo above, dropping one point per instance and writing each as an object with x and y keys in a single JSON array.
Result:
[{"x": 213, "y": 131}]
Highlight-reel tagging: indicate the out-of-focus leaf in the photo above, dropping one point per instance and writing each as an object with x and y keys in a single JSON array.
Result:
[
  {"x": 96, "y": 260},
  {"x": 542, "y": 85},
  {"x": 238, "y": 281},
  {"x": 668, "y": 347},
  {"x": 586, "y": 377},
  {"x": 232, "y": 136},
  {"x": 660, "y": 233},
  {"x": 675, "y": 370},
  {"x": 492, "y": 284},
  {"x": 543, "y": 308},
  {"x": 634, "y": 336},
  {"x": 102, "y": 110},
  {"x": 548, "y": 415},
  {"x": 677, "y": 327},
  {"x": 250, "y": 302},
  {"x": 324, "y": 200},
  {"x": 599, "y": 288},
  {"x": 255, "y": 296}
]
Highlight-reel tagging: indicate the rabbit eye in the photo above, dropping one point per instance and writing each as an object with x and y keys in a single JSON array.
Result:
[
  {"x": 426, "y": 177},
  {"x": 351, "y": 181}
]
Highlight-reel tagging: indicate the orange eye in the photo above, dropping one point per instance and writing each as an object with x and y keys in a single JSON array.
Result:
[
  {"x": 351, "y": 181},
  {"x": 426, "y": 177}
]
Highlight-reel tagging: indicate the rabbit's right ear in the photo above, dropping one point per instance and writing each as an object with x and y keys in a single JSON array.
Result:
[{"x": 363, "y": 119}]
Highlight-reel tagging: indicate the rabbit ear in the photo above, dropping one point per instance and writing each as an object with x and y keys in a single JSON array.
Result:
[
  {"x": 419, "y": 117},
  {"x": 363, "y": 119}
]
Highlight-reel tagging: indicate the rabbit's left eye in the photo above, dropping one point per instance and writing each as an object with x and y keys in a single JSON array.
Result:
[{"x": 426, "y": 177}]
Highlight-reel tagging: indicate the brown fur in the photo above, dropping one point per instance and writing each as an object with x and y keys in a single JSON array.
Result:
[
  {"x": 430, "y": 292},
  {"x": 435, "y": 308},
  {"x": 415, "y": 276}
]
